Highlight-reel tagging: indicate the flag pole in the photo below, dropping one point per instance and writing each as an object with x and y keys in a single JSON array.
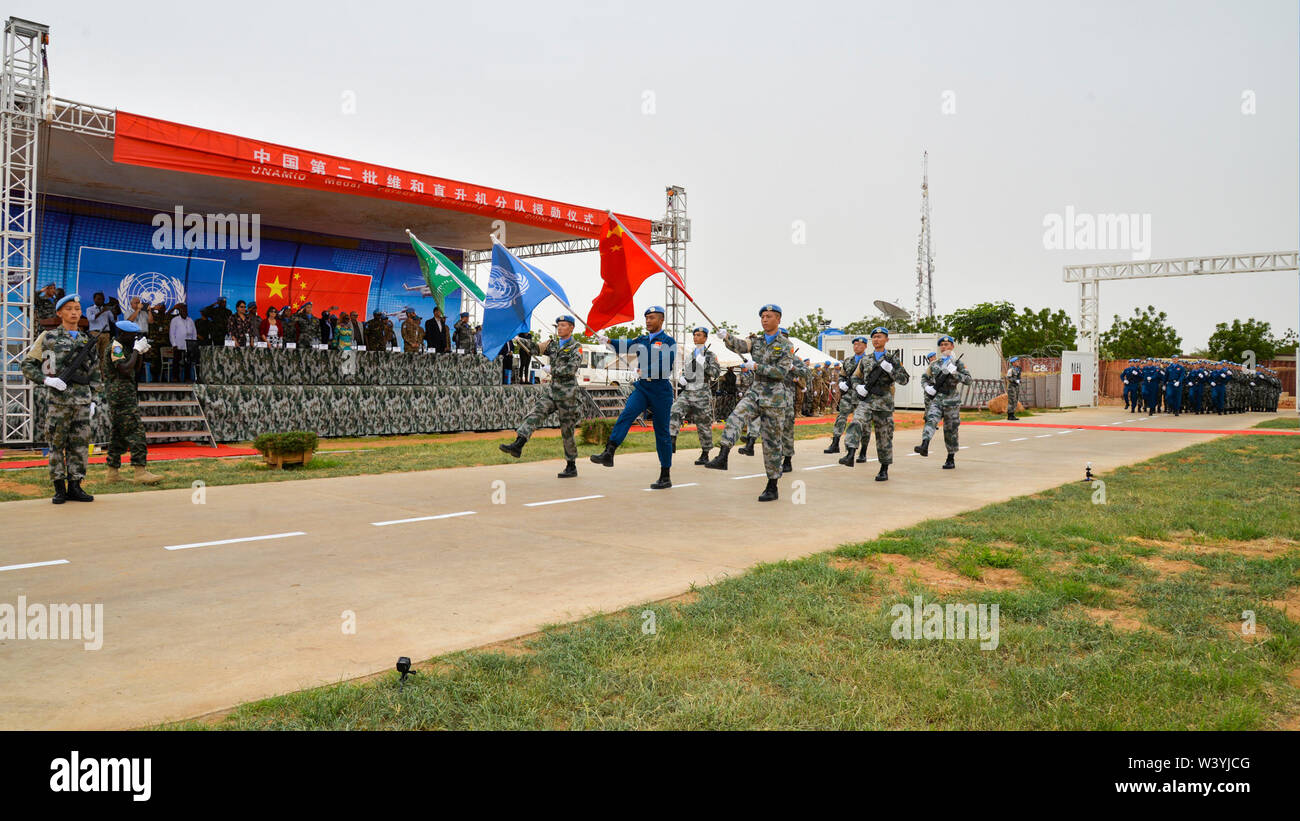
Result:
[
  {"x": 538, "y": 279},
  {"x": 670, "y": 274}
]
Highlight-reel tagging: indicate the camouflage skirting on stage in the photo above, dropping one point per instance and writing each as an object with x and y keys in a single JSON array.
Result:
[{"x": 309, "y": 366}]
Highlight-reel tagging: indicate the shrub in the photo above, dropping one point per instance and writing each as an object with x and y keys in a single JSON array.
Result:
[
  {"x": 596, "y": 431},
  {"x": 294, "y": 441}
]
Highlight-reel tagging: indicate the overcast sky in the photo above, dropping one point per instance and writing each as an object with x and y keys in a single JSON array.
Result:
[{"x": 774, "y": 115}]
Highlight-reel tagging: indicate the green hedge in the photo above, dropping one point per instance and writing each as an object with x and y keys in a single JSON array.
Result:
[
  {"x": 596, "y": 431},
  {"x": 294, "y": 441}
]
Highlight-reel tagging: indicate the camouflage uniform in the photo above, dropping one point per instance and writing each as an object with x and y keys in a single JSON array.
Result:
[
  {"x": 67, "y": 422},
  {"x": 848, "y": 398},
  {"x": 462, "y": 336},
  {"x": 43, "y": 308},
  {"x": 218, "y": 317},
  {"x": 562, "y": 396},
  {"x": 1013, "y": 388},
  {"x": 695, "y": 401},
  {"x": 798, "y": 375},
  {"x": 946, "y": 402},
  {"x": 754, "y": 429},
  {"x": 306, "y": 327},
  {"x": 124, "y": 407},
  {"x": 876, "y": 409},
  {"x": 767, "y": 398},
  {"x": 412, "y": 334},
  {"x": 378, "y": 335},
  {"x": 819, "y": 385}
]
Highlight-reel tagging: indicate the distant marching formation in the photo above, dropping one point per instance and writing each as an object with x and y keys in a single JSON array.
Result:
[
  {"x": 868, "y": 378},
  {"x": 1177, "y": 385}
]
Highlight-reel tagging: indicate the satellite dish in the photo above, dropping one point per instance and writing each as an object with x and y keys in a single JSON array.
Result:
[{"x": 891, "y": 310}]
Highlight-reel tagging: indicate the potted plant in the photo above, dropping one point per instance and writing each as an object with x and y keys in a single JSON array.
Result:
[{"x": 280, "y": 450}]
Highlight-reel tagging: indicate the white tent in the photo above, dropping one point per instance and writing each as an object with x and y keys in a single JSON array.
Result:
[
  {"x": 802, "y": 351},
  {"x": 728, "y": 358}
]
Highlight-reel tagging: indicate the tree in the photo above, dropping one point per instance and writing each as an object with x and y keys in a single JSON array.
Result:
[
  {"x": 616, "y": 332},
  {"x": 1231, "y": 343},
  {"x": 809, "y": 327},
  {"x": 897, "y": 325},
  {"x": 983, "y": 324},
  {"x": 1287, "y": 343},
  {"x": 1040, "y": 334},
  {"x": 1147, "y": 333}
]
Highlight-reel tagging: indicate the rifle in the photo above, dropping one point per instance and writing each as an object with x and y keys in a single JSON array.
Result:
[
  {"x": 873, "y": 377},
  {"x": 944, "y": 379},
  {"x": 72, "y": 373}
]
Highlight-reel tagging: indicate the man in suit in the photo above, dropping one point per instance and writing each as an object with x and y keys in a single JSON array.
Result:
[{"x": 436, "y": 333}]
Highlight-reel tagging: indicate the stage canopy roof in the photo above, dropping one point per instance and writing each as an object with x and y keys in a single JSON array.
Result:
[{"x": 159, "y": 165}]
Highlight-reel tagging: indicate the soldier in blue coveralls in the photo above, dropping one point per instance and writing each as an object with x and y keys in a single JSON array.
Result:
[
  {"x": 1175, "y": 374},
  {"x": 1196, "y": 379},
  {"x": 1151, "y": 378},
  {"x": 1220, "y": 376},
  {"x": 1132, "y": 379},
  {"x": 653, "y": 389}
]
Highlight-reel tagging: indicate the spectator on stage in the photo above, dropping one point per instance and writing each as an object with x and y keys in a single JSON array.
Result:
[
  {"x": 343, "y": 338},
  {"x": 98, "y": 314},
  {"x": 181, "y": 332},
  {"x": 139, "y": 314},
  {"x": 478, "y": 338},
  {"x": 214, "y": 320},
  {"x": 271, "y": 330},
  {"x": 525, "y": 347},
  {"x": 436, "y": 333},
  {"x": 244, "y": 326},
  {"x": 328, "y": 325},
  {"x": 412, "y": 333}
]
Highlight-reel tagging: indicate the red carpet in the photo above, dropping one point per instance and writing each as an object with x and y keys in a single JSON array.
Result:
[{"x": 157, "y": 453}]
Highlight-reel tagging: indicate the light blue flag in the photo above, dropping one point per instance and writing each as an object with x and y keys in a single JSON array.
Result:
[{"x": 514, "y": 289}]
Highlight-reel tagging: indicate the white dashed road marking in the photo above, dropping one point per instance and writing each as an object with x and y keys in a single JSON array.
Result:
[
  {"x": 233, "y": 541},
  {"x": 1042, "y": 436},
  {"x": 831, "y": 465},
  {"x": 688, "y": 484},
  {"x": 423, "y": 518},
  {"x": 1021, "y": 439},
  {"x": 32, "y": 564},
  {"x": 986, "y": 444},
  {"x": 750, "y": 476},
  {"x": 562, "y": 501}
]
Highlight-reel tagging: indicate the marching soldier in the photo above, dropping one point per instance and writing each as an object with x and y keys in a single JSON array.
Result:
[
  {"x": 695, "y": 400},
  {"x": 63, "y": 360},
  {"x": 848, "y": 397},
  {"x": 772, "y": 359},
  {"x": 1132, "y": 379},
  {"x": 1196, "y": 380},
  {"x": 880, "y": 371},
  {"x": 942, "y": 379},
  {"x": 412, "y": 332},
  {"x": 1013, "y": 388},
  {"x": 1175, "y": 374},
  {"x": 561, "y": 397},
  {"x": 122, "y": 370}
]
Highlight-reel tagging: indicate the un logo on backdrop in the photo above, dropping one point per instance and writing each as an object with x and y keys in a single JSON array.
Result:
[
  {"x": 505, "y": 288},
  {"x": 152, "y": 288}
]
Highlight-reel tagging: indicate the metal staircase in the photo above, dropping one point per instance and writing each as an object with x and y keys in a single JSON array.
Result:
[
  {"x": 172, "y": 412},
  {"x": 608, "y": 402}
]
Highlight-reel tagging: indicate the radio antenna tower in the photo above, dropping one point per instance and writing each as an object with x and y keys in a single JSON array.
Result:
[{"x": 924, "y": 256}]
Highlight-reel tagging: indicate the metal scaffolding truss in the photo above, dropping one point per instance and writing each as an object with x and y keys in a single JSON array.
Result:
[
  {"x": 1090, "y": 278},
  {"x": 22, "y": 98},
  {"x": 83, "y": 118}
]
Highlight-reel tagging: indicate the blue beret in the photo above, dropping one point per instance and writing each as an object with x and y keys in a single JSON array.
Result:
[
  {"x": 861, "y": 339},
  {"x": 698, "y": 328},
  {"x": 128, "y": 326},
  {"x": 783, "y": 330},
  {"x": 769, "y": 307},
  {"x": 464, "y": 313},
  {"x": 66, "y": 300},
  {"x": 566, "y": 318},
  {"x": 1013, "y": 359},
  {"x": 931, "y": 355},
  {"x": 654, "y": 309},
  {"x": 946, "y": 338},
  {"x": 880, "y": 329}
]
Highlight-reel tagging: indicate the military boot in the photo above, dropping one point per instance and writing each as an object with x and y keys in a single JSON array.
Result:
[
  {"x": 950, "y": 464},
  {"x": 883, "y": 475},
  {"x": 76, "y": 494},
  {"x": 786, "y": 467},
  {"x": 847, "y": 458},
  {"x": 606, "y": 457},
  {"x": 663, "y": 482},
  {"x": 144, "y": 477},
  {"x": 113, "y": 475},
  {"x": 769, "y": 493},
  {"x": 1011, "y": 417},
  {"x": 835, "y": 445},
  {"x": 862, "y": 454},
  {"x": 719, "y": 462},
  {"x": 60, "y": 492},
  {"x": 570, "y": 470},
  {"x": 704, "y": 457},
  {"x": 515, "y": 448},
  {"x": 748, "y": 448},
  {"x": 923, "y": 448}
]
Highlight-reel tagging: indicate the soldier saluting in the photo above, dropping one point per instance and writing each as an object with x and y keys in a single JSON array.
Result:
[{"x": 63, "y": 359}]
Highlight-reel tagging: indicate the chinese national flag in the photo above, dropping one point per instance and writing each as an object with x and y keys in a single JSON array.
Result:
[
  {"x": 280, "y": 285},
  {"x": 625, "y": 263}
]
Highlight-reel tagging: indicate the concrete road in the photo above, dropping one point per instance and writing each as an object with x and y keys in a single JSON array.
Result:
[{"x": 489, "y": 553}]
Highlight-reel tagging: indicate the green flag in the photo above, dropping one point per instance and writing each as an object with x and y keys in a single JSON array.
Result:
[{"x": 441, "y": 274}]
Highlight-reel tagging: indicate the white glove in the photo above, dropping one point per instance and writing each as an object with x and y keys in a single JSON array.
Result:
[
  {"x": 951, "y": 367},
  {"x": 699, "y": 360},
  {"x": 862, "y": 391},
  {"x": 141, "y": 345},
  {"x": 92, "y": 410},
  {"x": 1212, "y": 384},
  {"x": 681, "y": 380},
  {"x": 602, "y": 339},
  {"x": 724, "y": 334},
  {"x": 930, "y": 389},
  {"x": 1148, "y": 379},
  {"x": 884, "y": 363},
  {"x": 546, "y": 369},
  {"x": 59, "y": 385},
  {"x": 1008, "y": 374},
  {"x": 844, "y": 386},
  {"x": 1176, "y": 384},
  {"x": 750, "y": 365}
]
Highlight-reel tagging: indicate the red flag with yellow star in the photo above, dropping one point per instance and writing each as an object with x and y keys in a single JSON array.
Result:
[
  {"x": 626, "y": 261},
  {"x": 280, "y": 285}
]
